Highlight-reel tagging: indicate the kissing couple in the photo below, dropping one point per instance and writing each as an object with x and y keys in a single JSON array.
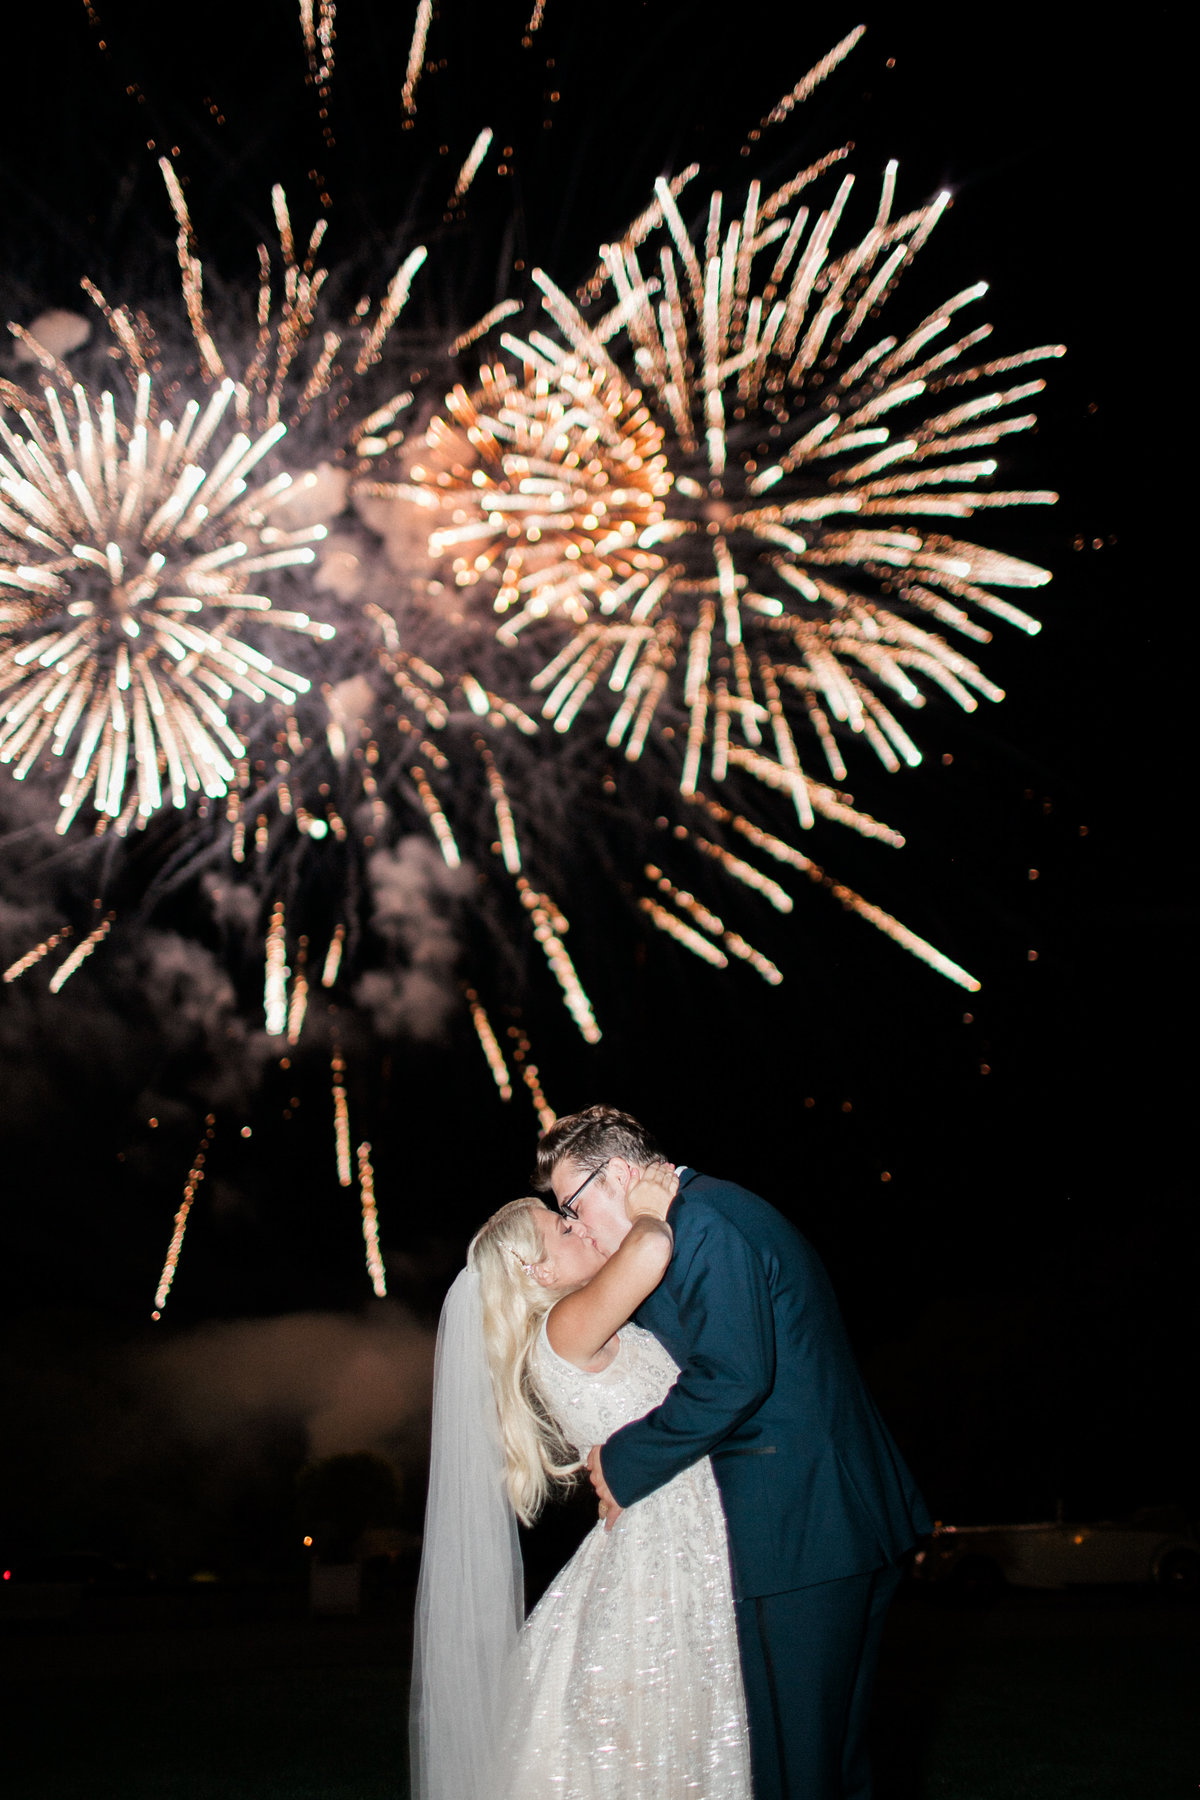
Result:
[{"x": 715, "y": 1636}]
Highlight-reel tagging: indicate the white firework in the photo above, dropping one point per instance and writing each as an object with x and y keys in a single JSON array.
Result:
[{"x": 130, "y": 556}]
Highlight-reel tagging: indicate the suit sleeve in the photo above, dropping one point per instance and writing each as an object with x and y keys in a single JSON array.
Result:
[{"x": 725, "y": 1308}]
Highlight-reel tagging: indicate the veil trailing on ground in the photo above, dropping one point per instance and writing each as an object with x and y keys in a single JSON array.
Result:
[{"x": 469, "y": 1596}]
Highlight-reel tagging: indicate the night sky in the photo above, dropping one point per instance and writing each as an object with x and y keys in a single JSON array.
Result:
[{"x": 999, "y": 1182}]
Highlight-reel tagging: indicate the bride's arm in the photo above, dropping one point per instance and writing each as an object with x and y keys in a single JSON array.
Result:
[{"x": 581, "y": 1324}]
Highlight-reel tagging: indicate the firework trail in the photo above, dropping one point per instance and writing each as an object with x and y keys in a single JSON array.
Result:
[
  {"x": 174, "y": 1249},
  {"x": 471, "y": 166},
  {"x": 416, "y": 55},
  {"x": 317, "y": 30}
]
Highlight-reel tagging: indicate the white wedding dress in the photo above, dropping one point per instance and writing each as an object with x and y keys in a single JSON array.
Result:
[{"x": 628, "y": 1680}]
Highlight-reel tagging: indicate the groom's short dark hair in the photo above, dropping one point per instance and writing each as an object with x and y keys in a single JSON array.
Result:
[{"x": 589, "y": 1138}]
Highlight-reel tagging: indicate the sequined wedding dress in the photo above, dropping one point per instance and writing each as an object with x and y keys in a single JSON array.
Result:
[{"x": 629, "y": 1685}]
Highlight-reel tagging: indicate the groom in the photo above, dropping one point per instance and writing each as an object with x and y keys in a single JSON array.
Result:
[{"x": 819, "y": 1505}]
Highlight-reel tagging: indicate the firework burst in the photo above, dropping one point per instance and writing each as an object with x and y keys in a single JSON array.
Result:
[
  {"x": 130, "y": 552},
  {"x": 132, "y": 540},
  {"x": 796, "y": 584},
  {"x": 549, "y": 489}
]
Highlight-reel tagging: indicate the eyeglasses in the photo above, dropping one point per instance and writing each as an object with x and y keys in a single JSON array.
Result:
[{"x": 567, "y": 1207}]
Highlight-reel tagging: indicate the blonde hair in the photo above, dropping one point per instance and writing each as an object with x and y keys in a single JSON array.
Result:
[{"x": 504, "y": 1253}]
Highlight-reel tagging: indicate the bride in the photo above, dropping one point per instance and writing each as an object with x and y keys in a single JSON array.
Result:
[{"x": 624, "y": 1683}]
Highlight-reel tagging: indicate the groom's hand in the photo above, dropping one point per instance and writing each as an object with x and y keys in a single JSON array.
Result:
[{"x": 610, "y": 1512}]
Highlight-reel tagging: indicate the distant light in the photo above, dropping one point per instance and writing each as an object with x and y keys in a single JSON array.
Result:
[
  {"x": 308, "y": 1543},
  {"x": 885, "y": 1175},
  {"x": 317, "y": 828},
  {"x": 153, "y": 1124},
  {"x": 247, "y": 1131}
]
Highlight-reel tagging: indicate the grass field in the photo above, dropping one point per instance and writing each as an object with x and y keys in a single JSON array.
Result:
[{"x": 1042, "y": 1697}]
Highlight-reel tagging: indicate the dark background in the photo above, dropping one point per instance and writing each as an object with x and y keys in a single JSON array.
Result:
[{"x": 999, "y": 1182}]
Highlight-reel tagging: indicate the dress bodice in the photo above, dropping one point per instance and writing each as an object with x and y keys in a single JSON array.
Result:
[{"x": 589, "y": 1408}]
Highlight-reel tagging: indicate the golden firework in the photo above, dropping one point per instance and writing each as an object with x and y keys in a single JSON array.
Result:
[
  {"x": 547, "y": 489},
  {"x": 798, "y": 572}
]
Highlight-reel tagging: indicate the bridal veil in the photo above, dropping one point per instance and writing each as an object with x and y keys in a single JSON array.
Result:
[{"x": 469, "y": 1596}]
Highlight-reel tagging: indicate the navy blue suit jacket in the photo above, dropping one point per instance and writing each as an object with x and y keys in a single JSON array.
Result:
[{"x": 812, "y": 1484}]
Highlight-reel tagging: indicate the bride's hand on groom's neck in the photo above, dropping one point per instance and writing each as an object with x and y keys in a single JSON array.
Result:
[
  {"x": 581, "y": 1326},
  {"x": 652, "y": 1193}
]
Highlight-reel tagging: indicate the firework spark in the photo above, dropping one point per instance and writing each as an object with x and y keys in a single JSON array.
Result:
[
  {"x": 416, "y": 55},
  {"x": 316, "y": 27},
  {"x": 490, "y": 1045},
  {"x": 341, "y": 1118},
  {"x": 31, "y": 958},
  {"x": 370, "y": 1222},
  {"x": 195, "y": 1177},
  {"x": 481, "y": 327},
  {"x": 471, "y": 166}
]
